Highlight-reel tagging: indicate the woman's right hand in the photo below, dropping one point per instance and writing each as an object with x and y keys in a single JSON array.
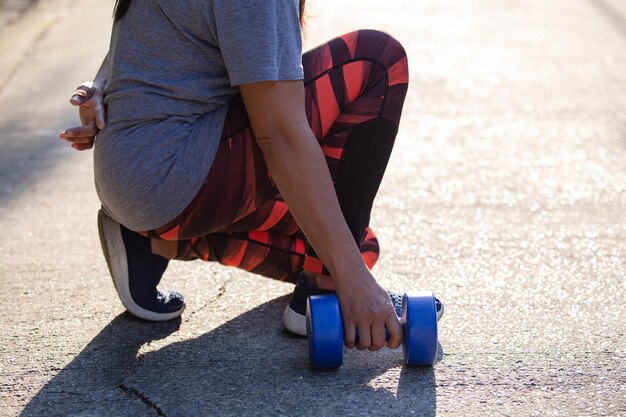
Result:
[
  {"x": 89, "y": 98},
  {"x": 367, "y": 307}
]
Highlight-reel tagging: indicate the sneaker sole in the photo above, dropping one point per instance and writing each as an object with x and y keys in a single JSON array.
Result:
[
  {"x": 294, "y": 322},
  {"x": 113, "y": 248}
]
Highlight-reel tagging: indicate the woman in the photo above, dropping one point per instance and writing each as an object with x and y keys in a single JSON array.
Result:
[{"x": 215, "y": 125}]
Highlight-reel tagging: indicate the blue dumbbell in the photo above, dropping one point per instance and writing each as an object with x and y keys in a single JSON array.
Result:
[{"x": 325, "y": 330}]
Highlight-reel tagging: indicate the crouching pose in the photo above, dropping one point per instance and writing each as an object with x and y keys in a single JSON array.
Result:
[{"x": 224, "y": 143}]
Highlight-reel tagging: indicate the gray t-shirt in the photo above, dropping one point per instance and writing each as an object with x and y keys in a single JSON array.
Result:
[{"x": 174, "y": 67}]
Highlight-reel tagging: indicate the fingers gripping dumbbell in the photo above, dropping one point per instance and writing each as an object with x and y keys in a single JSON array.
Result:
[{"x": 325, "y": 330}]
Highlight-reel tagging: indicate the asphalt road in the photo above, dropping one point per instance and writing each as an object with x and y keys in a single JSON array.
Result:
[{"x": 506, "y": 195}]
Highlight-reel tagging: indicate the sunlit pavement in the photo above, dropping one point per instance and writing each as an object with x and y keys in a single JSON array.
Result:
[{"x": 506, "y": 195}]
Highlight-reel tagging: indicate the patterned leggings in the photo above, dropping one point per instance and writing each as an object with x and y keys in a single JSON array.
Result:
[{"x": 355, "y": 88}]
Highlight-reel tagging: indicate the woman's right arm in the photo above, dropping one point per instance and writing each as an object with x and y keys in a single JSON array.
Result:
[
  {"x": 298, "y": 167},
  {"x": 89, "y": 98}
]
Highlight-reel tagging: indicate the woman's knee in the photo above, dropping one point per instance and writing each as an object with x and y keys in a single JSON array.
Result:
[{"x": 375, "y": 45}]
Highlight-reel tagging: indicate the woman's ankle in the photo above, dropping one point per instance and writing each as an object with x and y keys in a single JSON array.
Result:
[{"x": 165, "y": 248}]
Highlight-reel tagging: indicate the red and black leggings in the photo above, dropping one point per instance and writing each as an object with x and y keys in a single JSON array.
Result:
[{"x": 355, "y": 88}]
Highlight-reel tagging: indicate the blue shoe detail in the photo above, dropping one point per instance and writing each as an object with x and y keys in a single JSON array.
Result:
[
  {"x": 136, "y": 272},
  {"x": 396, "y": 300},
  {"x": 439, "y": 307}
]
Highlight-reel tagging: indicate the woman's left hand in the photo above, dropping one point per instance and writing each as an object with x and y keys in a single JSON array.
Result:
[{"x": 89, "y": 98}]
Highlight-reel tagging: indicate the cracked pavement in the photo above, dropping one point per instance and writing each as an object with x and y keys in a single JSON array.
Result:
[{"x": 506, "y": 195}]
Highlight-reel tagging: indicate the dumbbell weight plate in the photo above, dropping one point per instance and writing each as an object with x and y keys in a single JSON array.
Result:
[
  {"x": 324, "y": 330},
  {"x": 419, "y": 318}
]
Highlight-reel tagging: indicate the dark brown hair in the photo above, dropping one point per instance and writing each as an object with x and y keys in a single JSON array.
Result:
[{"x": 121, "y": 7}]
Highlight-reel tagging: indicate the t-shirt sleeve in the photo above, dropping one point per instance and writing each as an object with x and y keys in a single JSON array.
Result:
[{"x": 260, "y": 40}]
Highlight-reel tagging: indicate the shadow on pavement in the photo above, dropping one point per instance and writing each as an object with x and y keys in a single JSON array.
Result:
[
  {"x": 25, "y": 159},
  {"x": 86, "y": 383},
  {"x": 246, "y": 366}
]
